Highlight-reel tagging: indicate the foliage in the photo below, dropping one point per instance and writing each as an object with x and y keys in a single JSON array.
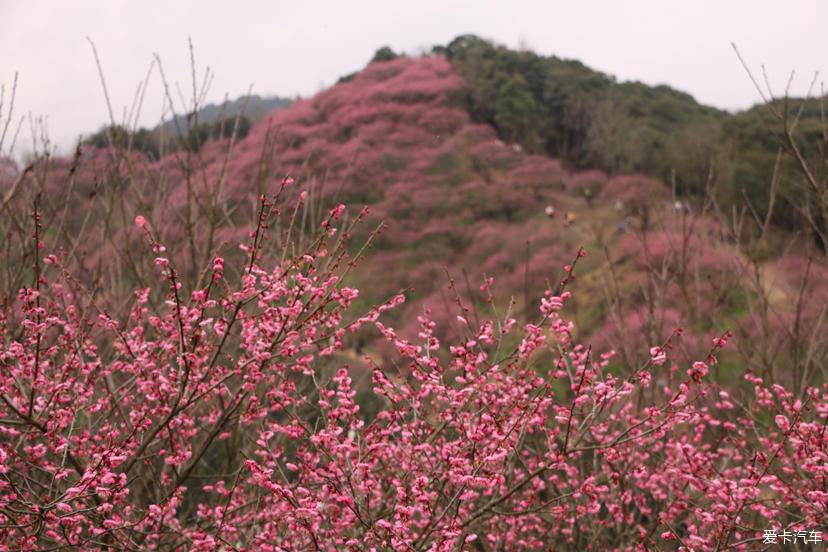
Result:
[
  {"x": 384, "y": 54},
  {"x": 582, "y": 115},
  {"x": 150, "y": 141},
  {"x": 119, "y": 136},
  {"x": 515, "y": 110}
]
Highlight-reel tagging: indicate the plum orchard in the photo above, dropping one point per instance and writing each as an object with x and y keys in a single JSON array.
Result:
[{"x": 210, "y": 419}]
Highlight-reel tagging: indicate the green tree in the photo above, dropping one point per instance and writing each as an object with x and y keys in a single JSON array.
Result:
[
  {"x": 516, "y": 111},
  {"x": 384, "y": 54}
]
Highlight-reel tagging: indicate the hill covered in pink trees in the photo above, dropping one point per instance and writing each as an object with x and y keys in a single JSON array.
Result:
[
  {"x": 460, "y": 204},
  {"x": 397, "y": 139}
]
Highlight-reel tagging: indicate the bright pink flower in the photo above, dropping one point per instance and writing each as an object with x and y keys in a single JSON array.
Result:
[
  {"x": 698, "y": 371},
  {"x": 657, "y": 356}
]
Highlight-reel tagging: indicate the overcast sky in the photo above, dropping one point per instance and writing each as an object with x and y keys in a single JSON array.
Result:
[{"x": 298, "y": 47}]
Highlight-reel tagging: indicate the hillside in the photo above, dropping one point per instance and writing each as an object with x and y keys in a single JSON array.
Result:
[
  {"x": 458, "y": 199},
  {"x": 460, "y": 202},
  {"x": 590, "y": 120}
]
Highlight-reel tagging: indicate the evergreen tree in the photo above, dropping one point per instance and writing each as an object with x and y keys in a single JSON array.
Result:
[{"x": 515, "y": 110}]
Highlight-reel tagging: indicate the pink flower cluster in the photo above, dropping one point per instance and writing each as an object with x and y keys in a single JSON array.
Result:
[{"x": 225, "y": 418}]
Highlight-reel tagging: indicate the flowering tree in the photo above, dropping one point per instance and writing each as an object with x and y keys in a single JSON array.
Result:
[{"x": 222, "y": 420}]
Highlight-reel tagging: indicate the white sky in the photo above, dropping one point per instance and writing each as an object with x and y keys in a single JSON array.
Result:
[{"x": 297, "y": 47}]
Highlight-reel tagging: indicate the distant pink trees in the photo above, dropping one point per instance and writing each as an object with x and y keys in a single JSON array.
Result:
[
  {"x": 224, "y": 419},
  {"x": 593, "y": 180},
  {"x": 634, "y": 187}
]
